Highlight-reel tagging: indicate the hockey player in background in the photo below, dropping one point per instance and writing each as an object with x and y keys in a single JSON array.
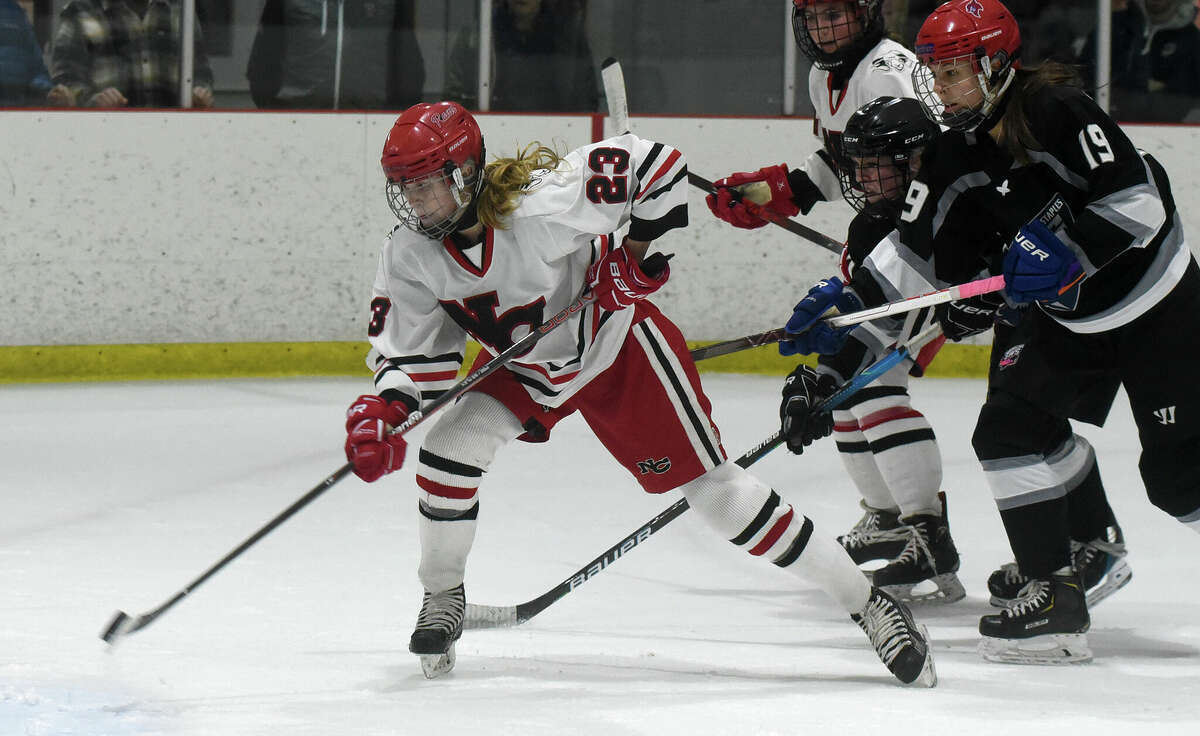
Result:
[
  {"x": 888, "y": 448},
  {"x": 1036, "y": 182},
  {"x": 491, "y": 252}
]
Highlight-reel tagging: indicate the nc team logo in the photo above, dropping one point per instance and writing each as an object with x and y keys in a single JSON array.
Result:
[
  {"x": 650, "y": 465},
  {"x": 1166, "y": 415},
  {"x": 974, "y": 8},
  {"x": 1011, "y": 356}
]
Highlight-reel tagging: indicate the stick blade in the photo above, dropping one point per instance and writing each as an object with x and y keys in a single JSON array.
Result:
[
  {"x": 118, "y": 627},
  {"x": 490, "y": 617},
  {"x": 614, "y": 94}
]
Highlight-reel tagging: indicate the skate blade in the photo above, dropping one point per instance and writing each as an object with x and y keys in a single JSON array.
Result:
[
  {"x": 1117, "y": 577},
  {"x": 436, "y": 665},
  {"x": 928, "y": 676},
  {"x": 938, "y": 590},
  {"x": 1048, "y": 649}
]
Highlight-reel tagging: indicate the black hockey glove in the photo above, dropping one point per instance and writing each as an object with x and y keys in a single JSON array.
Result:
[
  {"x": 966, "y": 317},
  {"x": 798, "y": 422}
]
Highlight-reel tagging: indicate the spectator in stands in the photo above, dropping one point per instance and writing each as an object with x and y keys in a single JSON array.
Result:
[
  {"x": 307, "y": 54},
  {"x": 24, "y": 80},
  {"x": 124, "y": 53},
  {"x": 1173, "y": 47},
  {"x": 1155, "y": 59},
  {"x": 541, "y": 59}
]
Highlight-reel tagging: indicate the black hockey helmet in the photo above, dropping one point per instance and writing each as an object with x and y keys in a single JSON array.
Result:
[
  {"x": 881, "y": 145},
  {"x": 862, "y": 22}
]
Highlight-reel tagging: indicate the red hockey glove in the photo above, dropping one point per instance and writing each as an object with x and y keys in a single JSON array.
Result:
[
  {"x": 766, "y": 188},
  {"x": 373, "y": 451},
  {"x": 618, "y": 280}
]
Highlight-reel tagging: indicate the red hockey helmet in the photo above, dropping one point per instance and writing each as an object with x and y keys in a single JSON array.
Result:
[
  {"x": 981, "y": 32},
  {"x": 433, "y": 161},
  {"x": 857, "y": 34}
]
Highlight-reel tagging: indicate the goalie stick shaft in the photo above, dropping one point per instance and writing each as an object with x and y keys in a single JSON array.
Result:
[
  {"x": 479, "y": 616},
  {"x": 122, "y": 623},
  {"x": 786, "y": 223}
]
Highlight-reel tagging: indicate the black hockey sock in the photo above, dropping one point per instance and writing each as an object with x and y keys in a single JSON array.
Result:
[
  {"x": 1088, "y": 509},
  {"x": 1038, "y": 535}
]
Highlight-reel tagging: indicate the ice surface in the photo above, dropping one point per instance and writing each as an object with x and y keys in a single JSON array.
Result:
[{"x": 117, "y": 495}]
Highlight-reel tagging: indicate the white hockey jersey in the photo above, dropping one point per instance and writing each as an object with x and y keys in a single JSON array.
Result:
[
  {"x": 430, "y": 295},
  {"x": 885, "y": 70}
]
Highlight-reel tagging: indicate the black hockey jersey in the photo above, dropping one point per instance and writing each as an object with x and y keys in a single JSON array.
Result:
[{"x": 1108, "y": 202}]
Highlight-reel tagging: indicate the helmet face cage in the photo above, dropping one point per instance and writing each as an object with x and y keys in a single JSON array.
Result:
[
  {"x": 856, "y": 25},
  {"x": 972, "y": 83},
  {"x": 435, "y": 203},
  {"x": 876, "y": 183}
]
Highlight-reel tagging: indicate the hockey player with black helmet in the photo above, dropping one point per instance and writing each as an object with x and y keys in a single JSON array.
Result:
[
  {"x": 888, "y": 447},
  {"x": 1036, "y": 182}
]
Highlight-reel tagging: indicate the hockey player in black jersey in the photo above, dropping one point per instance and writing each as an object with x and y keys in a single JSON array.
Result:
[
  {"x": 881, "y": 145},
  {"x": 887, "y": 446},
  {"x": 1036, "y": 182}
]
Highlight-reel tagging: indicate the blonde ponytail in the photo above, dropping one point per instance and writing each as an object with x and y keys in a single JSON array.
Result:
[{"x": 506, "y": 179}]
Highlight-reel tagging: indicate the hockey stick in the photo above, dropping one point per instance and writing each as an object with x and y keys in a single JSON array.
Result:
[
  {"x": 962, "y": 291},
  {"x": 614, "y": 94},
  {"x": 123, "y": 624},
  {"x": 786, "y": 223},
  {"x": 479, "y": 616},
  {"x": 738, "y": 344}
]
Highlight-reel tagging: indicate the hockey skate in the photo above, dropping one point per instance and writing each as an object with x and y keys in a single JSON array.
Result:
[
  {"x": 1046, "y": 624},
  {"x": 901, "y": 644},
  {"x": 876, "y": 536},
  {"x": 926, "y": 569},
  {"x": 1100, "y": 563},
  {"x": 438, "y": 626}
]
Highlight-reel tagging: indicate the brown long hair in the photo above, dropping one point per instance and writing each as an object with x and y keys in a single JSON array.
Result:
[
  {"x": 506, "y": 179},
  {"x": 1014, "y": 131}
]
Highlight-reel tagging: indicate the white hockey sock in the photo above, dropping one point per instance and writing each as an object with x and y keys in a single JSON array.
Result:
[
  {"x": 452, "y": 460},
  {"x": 752, "y": 516},
  {"x": 444, "y": 549},
  {"x": 860, "y": 463},
  {"x": 905, "y": 452}
]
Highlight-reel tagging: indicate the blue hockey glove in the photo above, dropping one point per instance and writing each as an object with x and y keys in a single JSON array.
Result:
[
  {"x": 806, "y": 333},
  {"x": 1038, "y": 266}
]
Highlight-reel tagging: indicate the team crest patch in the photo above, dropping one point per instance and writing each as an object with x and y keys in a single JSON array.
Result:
[
  {"x": 650, "y": 465},
  {"x": 1011, "y": 356},
  {"x": 895, "y": 60},
  {"x": 974, "y": 8}
]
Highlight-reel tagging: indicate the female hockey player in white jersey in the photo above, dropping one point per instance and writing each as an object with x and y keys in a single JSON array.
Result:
[
  {"x": 888, "y": 448},
  {"x": 1035, "y": 181},
  {"x": 488, "y": 252}
]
